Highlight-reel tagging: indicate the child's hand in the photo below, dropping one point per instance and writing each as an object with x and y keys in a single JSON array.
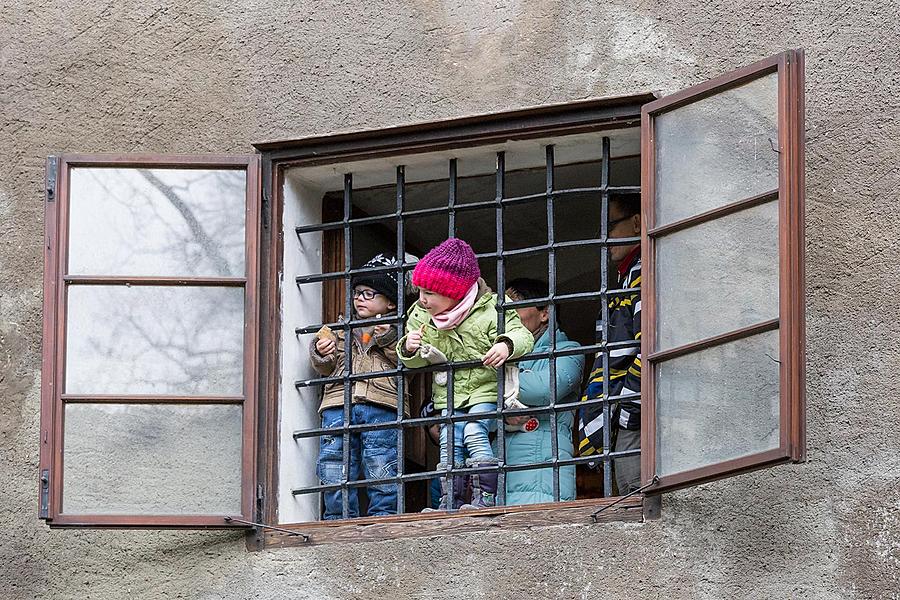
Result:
[
  {"x": 325, "y": 346},
  {"x": 414, "y": 340},
  {"x": 497, "y": 355}
]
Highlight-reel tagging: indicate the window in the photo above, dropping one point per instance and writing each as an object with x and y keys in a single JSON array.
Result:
[
  {"x": 721, "y": 181},
  {"x": 149, "y": 366},
  {"x": 496, "y": 198}
]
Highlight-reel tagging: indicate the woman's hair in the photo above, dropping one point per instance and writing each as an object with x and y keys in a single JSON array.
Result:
[{"x": 529, "y": 289}]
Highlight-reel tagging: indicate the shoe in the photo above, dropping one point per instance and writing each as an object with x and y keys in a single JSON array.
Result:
[
  {"x": 451, "y": 499},
  {"x": 484, "y": 485}
]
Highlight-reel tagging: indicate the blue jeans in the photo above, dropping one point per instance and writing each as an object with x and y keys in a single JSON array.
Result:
[
  {"x": 372, "y": 453},
  {"x": 469, "y": 437}
]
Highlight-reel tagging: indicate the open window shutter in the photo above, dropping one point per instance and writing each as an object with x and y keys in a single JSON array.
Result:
[
  {"x": 150, "y": 333},
  {"x": 723, "y": 331}
]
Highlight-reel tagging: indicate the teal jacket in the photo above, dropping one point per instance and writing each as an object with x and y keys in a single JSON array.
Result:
[
  {"x": 536, "y": 486},
  {"x": 470, "y": 340}
]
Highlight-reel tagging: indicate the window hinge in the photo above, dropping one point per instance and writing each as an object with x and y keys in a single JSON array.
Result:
[
  {"x": 52, "y": 173},
  {"x": 45, "y": 494}
]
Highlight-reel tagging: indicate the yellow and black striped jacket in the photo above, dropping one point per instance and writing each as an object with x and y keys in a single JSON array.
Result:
[{"x": 624, "y": 363}]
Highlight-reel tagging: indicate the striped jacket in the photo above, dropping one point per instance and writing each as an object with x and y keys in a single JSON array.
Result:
[{"x": 624, "y": 363}]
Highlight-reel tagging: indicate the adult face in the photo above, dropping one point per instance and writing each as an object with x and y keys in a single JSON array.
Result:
[
  {"x": 620, "y": 227},
  {"x": 532, "y": 318}
]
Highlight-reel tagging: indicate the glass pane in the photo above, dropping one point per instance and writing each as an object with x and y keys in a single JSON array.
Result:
[
  {"x": 152, "y": 459},
  {"x": 716, "y": 277},
  {"x": 717, "y": 150},
  {"x": 167, "y": 222},
  {"x": 717, "y": 404},
  {"x": 155, "y": 340}
]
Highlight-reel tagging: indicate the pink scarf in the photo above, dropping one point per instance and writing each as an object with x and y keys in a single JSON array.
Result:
[{"x": 452, "y": 317}]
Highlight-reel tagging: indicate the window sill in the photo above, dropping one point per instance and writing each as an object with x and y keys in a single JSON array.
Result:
[{"x": 372, "y": 529}]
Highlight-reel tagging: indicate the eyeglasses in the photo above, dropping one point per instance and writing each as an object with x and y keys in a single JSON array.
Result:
[{"x": 366, "y": 294}]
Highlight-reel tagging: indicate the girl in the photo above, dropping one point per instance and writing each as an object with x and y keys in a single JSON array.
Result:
[{"x": 457, "y": 315}]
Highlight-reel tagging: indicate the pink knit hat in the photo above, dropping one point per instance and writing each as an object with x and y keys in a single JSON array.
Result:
[{"x": 449, "y": 269}]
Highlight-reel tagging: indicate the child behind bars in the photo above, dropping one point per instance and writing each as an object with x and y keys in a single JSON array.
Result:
[
  {"x": 457, "y": 315},
  {"x": 373, "y": 453}
]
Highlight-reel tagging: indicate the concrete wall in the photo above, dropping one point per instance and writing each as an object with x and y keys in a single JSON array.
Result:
[{"x": 208, "y": 76}]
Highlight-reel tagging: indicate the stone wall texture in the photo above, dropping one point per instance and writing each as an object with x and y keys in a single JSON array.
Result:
[{"x": 199, "y": 76}]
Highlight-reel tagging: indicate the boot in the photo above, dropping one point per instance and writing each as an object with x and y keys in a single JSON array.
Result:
[
  {"x": 484, "y": 485},
  {"x": 450, "y": 498}
]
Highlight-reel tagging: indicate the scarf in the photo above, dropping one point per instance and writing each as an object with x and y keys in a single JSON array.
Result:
[
  {"x": 452, "y": 317},
  {"x": 541, "y": 331}
]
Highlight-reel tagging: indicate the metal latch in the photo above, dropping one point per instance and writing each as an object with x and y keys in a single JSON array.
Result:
[
  {"x": 45, "y": 494},
  {"x": 52, "y": 173}
]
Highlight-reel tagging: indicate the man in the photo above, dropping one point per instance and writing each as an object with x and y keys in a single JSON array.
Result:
[{"x": 624, "y": 363}]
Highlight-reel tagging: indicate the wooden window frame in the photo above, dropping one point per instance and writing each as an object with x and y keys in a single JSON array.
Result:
[
  {"x": 56, "y": 281},
  {"x": 789, "y": 67},
  {"x": 277, "y": 157}
]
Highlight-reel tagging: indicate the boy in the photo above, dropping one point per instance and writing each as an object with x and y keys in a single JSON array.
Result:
[{"x": 373, "y": 453}]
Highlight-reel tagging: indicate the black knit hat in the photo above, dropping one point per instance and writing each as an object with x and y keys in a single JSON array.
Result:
[{"x": 384, "y": 282}]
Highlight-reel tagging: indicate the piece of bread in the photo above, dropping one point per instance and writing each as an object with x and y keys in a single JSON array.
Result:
[{"x": 325, "y": 333}]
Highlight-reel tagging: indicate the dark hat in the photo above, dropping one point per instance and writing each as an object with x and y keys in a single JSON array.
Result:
[{"x": 384, "y": 282}]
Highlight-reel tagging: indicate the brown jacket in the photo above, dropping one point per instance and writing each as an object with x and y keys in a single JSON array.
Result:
[{"x": 378, "y": 355}]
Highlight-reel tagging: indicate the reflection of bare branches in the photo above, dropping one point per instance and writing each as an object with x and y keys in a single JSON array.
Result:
[
  {"x": 156, "y": 340},
  {"x": 158, "y": 222},
  {"x": 206, "y": 242}
]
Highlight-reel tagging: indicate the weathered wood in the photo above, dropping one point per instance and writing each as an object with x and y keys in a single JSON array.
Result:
[{"x": 439, "y": 524}]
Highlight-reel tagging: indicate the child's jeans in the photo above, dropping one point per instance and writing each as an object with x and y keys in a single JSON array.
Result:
[
  {"x": 372, "y": 453},
  {"x": 469, "y": 437}
]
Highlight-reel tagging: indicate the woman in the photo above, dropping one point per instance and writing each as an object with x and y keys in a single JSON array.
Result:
[{"x": 535, "y": 445}]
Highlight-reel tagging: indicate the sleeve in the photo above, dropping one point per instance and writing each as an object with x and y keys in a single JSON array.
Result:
[
  {"x": 387, "y": 342},
  {"x": 517, "y": 334},
  {"x": 624, "y": 363},
  {"x": 388, "y": 338},
  {"x": 324, "y": 365},
  {"x": 630, "y": 364},
  {"x": 534, "y": 385},
  {"x": 414, "y": 320}
]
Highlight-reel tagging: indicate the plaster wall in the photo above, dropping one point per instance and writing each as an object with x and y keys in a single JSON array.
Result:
[{"x": 213, "y": 76}]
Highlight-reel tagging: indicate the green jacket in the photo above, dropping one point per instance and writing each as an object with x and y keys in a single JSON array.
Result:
[{"x": 470, "y": 340}]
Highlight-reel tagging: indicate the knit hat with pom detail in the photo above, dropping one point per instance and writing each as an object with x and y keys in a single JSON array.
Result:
[{"x": 449, "y": 269}]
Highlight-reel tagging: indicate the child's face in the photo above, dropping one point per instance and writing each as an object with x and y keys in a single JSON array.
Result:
[
  {"x": 376, "y": 304},
  {"x": 435, "y": 303}
]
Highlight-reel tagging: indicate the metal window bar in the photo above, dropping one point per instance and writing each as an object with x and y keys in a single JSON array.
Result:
[
  {"x": 552, "y": 301},
  {"x": 551, "y": 291},
  {"x": 604, "y": 311},
  {"x": 500, "y": 497},
  {"x": 594, "y": 348},
  {"x": 423, "y": 212},
  {"x": 462, "y": 417},
  {"x": 348, "y": 346},
  {"x": 629, "y": 241},
  {"x": 400, "y": 378},
  {"x": 424, "y": 475}
]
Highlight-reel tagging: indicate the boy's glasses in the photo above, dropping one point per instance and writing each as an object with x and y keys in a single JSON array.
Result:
[{"x": 366, "y": 294}]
